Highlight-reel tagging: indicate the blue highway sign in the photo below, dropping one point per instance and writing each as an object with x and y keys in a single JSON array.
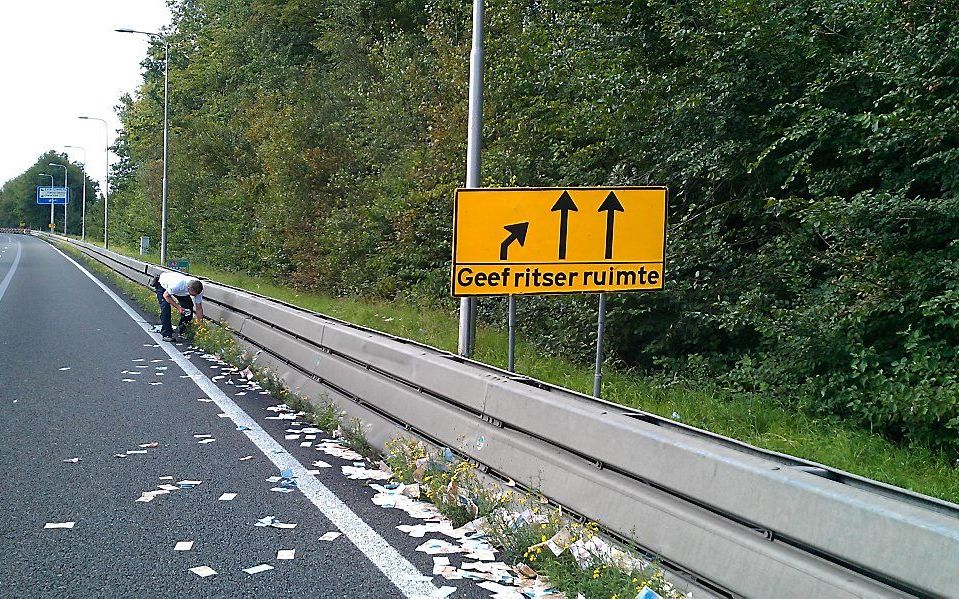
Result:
[{"x": 53, "y": 195}]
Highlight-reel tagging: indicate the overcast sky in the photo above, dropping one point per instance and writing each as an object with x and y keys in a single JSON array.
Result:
[{"x": 60, "y": 59}]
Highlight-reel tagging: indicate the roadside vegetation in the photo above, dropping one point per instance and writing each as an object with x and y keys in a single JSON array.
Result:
[{"x": 748, "y": 417}]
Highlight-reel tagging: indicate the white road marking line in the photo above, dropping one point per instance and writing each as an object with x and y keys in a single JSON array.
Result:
[
  {"x": 384, "y": 556},
  {"x": 13, "y": 269}
]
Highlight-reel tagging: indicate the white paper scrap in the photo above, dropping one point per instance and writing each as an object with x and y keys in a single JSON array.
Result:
[
  {"x": 246, "y": 457},
  {"x": 65, "y": 368},
  {"x": 183, "y": 546},
  {"x": 285, "y": 553},
  {"x": 205, "y": 441},
  {"x": 228, "y": 497},
  {"x": 330, "y": 536},
  {"x": 258, "y": 569},
  {"x": 59, "y": 524},
  {"x": 203, "y": 571}
]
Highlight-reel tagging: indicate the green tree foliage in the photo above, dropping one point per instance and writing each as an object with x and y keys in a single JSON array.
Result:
[
  {"x": 18, "y": 196},
  {"x": 811, "y": 148}
]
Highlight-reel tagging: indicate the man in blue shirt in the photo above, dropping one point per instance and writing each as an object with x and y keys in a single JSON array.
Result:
[{"x": 181, "y": 292}]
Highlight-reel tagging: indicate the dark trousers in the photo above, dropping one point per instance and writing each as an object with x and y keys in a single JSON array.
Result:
[{"x": 166, "y": 319}]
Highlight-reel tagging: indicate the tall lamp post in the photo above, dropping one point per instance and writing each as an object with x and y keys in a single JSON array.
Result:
[
  {"x": 83, "y": 213},
  {"x": 106, "y": 181},
  {"x": 474, "y": 139},
  {"x": 166, "y": 106},
  {"x": 51, "y": 185},
  {"x": 64, "y": 167}
]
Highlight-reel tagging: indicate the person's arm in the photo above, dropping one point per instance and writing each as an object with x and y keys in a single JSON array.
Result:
[
  {"x": 199, "y": 312},
  {"x": 171, "y": 299}
]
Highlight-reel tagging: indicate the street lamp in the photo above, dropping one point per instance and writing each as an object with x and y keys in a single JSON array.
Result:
[
  {"x": 106, "y": 184},
  {"x": 474, "y": 138},
  {"x": 166, "y": 104},
  {"x": 83, "y": 213},
  {"x": 63, "y": 166}
]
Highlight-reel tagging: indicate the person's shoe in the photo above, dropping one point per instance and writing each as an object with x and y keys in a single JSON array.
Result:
[{"x": 168, "y": 338}]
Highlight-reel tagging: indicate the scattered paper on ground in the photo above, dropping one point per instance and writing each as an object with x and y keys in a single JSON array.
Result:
[
  {"x": 228, "y": 497},
  {"x": 258, "y": 569},
  {"x": 330, "y": 536},
  {"x": 285, "y": 554},
  {"x": 59, "y": 524},
  {"x": 183, "y": 546},
  {"x": 203, "y": 571}
]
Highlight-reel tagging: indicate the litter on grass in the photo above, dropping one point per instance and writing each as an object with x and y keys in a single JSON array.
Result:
[
  {"x": 360, "y": 473},
  {"x": 335, "y": 449}
]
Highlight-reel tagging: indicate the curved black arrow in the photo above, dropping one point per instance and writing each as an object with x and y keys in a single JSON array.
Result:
[
  {"x": 517, "y": 232},
  {"x": 564, "y": 205},
  {"x": 610, "y": 206}
]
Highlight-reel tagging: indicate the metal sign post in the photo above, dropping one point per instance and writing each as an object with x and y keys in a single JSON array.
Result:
[
  {"x": 511, "y": 327},
  {"x": 600, "y": 331}
]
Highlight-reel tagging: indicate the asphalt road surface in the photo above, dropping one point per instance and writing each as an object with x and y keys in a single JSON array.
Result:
[{"x": 64, "y": 347}]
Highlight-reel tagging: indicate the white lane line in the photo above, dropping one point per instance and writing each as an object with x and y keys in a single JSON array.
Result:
[
  {"x": 13, "y": 268},
  {"x": 388, "y": 560}
]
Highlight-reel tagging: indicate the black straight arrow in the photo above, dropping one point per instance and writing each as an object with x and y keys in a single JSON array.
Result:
[
  {"x": 564, "y": 204},
  {"x": 517, "y": 232},
  {"x": 610, "y": 206}
]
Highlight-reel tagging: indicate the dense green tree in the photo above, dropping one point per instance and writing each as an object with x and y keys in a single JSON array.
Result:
[
  {"x": 811, "y": 148},
  {"x": 18, "y": 196}
]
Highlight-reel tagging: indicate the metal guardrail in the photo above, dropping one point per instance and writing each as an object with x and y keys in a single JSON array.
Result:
[{"x": 736, "y": 519}]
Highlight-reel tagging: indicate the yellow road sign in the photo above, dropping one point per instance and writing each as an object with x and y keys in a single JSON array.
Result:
[{"x": 572, "y": 240}]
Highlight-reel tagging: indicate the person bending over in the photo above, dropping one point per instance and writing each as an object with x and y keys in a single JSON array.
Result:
[{"x": 181, "y": 292}]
